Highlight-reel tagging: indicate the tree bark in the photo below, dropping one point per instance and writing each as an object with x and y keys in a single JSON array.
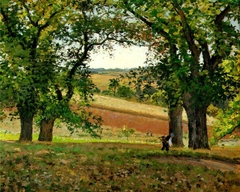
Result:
[
  {"x": 26, "y": 119},
  {"x": 197, "y": 124},
  {"x": 201, "y": 141},
  {"x": 46, "y": 129},
  {"x": 192, "y": 126},
  {"x": 175, "y": 125},
  {"x": 190, "y": 110}
]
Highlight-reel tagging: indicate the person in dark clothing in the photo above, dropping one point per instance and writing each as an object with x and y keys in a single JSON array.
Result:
[{"x": 167, "y": 141}]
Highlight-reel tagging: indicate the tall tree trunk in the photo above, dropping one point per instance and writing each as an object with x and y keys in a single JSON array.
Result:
[
  {"x": 175, "y": 125},
  {"x": 26, "y": 119},
  {"x": 46, "y": 129},
  {"x": 197, "y": 124},
  {"x": 190, "y": 110},
  {"x": 192, "y": 125},
  {"x": 201, "y": 141}
]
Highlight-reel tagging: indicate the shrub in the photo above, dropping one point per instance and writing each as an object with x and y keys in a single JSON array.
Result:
[
  {"x": 96, "y": 90},
  {"x": 106, "y": 92},
  {"x": 125, "y": 91}
]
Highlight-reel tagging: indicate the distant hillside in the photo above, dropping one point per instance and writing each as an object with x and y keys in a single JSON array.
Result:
[
  {"x": 102, "y": 80},
  {"x": 121, "y": 105},
  {"x": 119, "y": 113},
  {"x": 104, "y": 71}
]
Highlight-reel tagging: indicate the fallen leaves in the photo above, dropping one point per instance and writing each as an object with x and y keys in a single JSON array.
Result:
[{"x": 75, "y": 168}]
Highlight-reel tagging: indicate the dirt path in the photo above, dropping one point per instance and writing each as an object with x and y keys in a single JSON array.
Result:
[
  {"x": 211, "y": 164},
  {"x": 214, "y": 164}
]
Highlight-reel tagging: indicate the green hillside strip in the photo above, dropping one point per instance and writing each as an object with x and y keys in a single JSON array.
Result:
[{"x": 121, "y": 105}]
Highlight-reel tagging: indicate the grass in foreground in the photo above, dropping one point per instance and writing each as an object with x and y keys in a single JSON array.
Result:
[{"x": 104, "y": 167}]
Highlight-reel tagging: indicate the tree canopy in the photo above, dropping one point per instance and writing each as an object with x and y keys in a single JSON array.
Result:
[
  {"x": 195, "y": 37},
  {"x": 46, "y": 45},
  {"x": 45, "y": 52},
  {"x": 27, "y": 54}
]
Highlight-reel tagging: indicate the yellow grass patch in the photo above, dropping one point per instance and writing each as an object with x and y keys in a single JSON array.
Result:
[{"x": 117, "y": 104}]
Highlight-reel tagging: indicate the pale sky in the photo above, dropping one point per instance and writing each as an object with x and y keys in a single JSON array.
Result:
[{"x": 122, "y": 58}]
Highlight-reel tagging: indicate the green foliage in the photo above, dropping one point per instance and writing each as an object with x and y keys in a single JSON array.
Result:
[
  {"x": 183, "y": 34},
  {"x": 125, "y": 91},
  {"x": 127, "y": 132},
  {"x": 148, "y": 90},
  {"x": 212, "y": 110},
  {"x": 190, "y": 41},
  {"x": 96, "y": 90},
  {"x": 106, "y": 92},
  {"x": 27, "y": 55},
  {"x": 159, "y": 98},
  {"x": 228, "y": 122},
  {"x": 85, "y": 121},
  {"x": 46, "y": 48},
  {"x": 228, "y": 118},
  {"x": 113, "y": 85}
]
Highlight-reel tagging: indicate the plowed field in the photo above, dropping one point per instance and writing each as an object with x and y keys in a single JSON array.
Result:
[{"x": 138, "y": 122}]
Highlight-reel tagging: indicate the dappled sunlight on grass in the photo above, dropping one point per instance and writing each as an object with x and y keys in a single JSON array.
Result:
[{"x": 99, "y": 166}]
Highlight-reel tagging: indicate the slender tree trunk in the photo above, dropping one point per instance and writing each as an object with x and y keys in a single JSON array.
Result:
[
  {"x": 26, "y": 119},
  {"x": 175, "y": 125},
  {"x": 46, "y": 129}
]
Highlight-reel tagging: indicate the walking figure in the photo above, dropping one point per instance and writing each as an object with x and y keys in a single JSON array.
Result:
[
  {"x": 167, "y": 141},
  {"x": 151, "y": 134}
]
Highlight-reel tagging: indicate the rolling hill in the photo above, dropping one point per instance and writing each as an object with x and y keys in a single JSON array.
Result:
[{"x": 118, "y": 113}]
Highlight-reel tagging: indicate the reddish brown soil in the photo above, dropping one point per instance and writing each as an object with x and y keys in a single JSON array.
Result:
[{"x": 137, "y": 122}]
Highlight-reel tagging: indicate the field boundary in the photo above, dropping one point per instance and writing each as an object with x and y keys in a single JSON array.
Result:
[
  {"x": 130, "y": 112},
  {"x": 135, "y": 108}
]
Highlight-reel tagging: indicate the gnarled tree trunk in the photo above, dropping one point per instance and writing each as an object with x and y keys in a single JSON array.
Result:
[
  {"x": 175, "y": 125},
  {"x": 46, "y": 129}
]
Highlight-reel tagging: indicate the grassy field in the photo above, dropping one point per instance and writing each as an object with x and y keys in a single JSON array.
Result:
[
  {"x": 114, "y": 167},
  {"x": 102, "y": 80},
  {"x": 117, "y": 162}
]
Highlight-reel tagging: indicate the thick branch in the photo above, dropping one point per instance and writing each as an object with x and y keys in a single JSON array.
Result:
[
  {"x": 147, "y": 22},
  {"x": 76, "y": 65},
  {"x": 58, "y": 92},
  {"x": 29, "y": 15},
  {"x": 217, "y": 58},
  {"x": 7, "y": 23},
  {"x": 236, "y": 127},
  {"x": 49, "y": 19},
  {"x": 221, "y": 16},
  {"x": 188, "y": 33},
  {"x": 206, "y": 55}
]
